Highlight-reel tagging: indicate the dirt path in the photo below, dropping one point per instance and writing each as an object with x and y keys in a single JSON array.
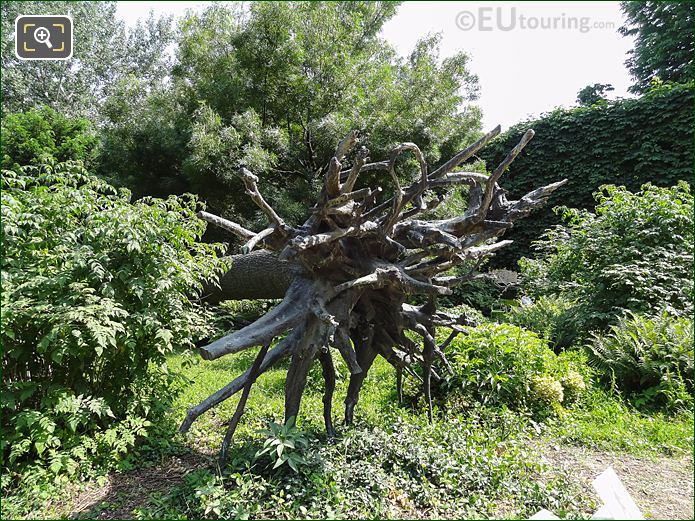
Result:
[
  {"x": 124, "y": 492},
  {"x": 661, "y": 487}
]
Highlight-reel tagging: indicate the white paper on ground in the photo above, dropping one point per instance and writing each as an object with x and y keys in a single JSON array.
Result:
[{"x": 617, "y": 503}]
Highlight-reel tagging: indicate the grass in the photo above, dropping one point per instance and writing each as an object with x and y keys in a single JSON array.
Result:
[
  {"x": 381, "y": 480},
  {"x": 483, "y": 464},
  {"x": 266, "y": 401},
  {"x": 606, "y": 422},
  {"x": 392, "y": 464}
]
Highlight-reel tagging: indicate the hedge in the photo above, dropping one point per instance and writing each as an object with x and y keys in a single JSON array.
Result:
[{"x": 626, "y": 142}]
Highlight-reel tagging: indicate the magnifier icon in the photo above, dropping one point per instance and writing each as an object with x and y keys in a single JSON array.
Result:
[{"x": 42, "y": 35}]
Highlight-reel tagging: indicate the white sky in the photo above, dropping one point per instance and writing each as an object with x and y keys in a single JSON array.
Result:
[{"x": 524, "y": 71}]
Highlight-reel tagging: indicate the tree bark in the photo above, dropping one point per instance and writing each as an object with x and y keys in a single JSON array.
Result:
[{"x": 256, "y": 275}]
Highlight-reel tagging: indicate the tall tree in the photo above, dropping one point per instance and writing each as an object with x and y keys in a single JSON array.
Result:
[
  {"x": 592, "y": 94},
  {"x": 272, "y": 87},
  {"x": 104, "y": 52},
  {"x": 664, "y": 41}
]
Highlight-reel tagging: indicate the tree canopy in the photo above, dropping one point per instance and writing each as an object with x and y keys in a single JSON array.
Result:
[
  {"x": 272, "y": 88},
  {"x": 105, "y": 52},
  {"x": 664, "y": 41}
]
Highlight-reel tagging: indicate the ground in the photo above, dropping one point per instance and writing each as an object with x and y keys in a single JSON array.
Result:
[
  {"x": 662, "y": 487},
  {"x": 651, "y": 453}
]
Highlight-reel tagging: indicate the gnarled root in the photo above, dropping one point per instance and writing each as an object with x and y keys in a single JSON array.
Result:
[{"x": 357, "y": 261}]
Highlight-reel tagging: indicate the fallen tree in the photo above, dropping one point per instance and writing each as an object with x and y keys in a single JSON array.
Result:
[{"x": 346, "y": 275}]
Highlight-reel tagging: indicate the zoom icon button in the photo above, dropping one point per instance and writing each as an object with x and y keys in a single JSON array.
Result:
[{"x": 43, "y": 37}]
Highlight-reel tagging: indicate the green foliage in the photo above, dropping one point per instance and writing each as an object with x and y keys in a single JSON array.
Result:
[
  {"x": 145, "y": 150},
  {"x": 635, "y": 253},
  {"x": 483, "y": 295},
  {"x": 230, "y": 315},
  {"x": 648, "y": 357},
  {"x": 664, "y": 41},
  {"x": 593, "y": 94},
  {"x": 101, "y": 58},
  {"x": 551, "y": 317},
  {"x": 95, "y": 295},
  {"x": 464, "y": 468},
  {"x": 573, "y": 386},
  {"x": 626, "y": 142},
  {"x": 284, "y": 444},
  {"x": 44, "y": 135},
  {"x": 501, "y": 364},
  {"x": 297, "y": 76},
  {"x": 605, "y": 422},
  {"x": 547, "y": 389}
]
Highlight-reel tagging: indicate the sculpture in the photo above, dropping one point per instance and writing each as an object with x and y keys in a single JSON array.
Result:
[{"x": 348, "y": 272}]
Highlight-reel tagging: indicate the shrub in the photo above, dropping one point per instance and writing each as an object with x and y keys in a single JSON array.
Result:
[
  {"x": 501, "y": 364},
  {"x": 230, "y": 315},
  {"x": 635, "y": 253},
  {"x": 648, "y": 357},
  {"x": 624, "y": 142},
  {"x": 42, "y": 134},
  {"x": 96, "y": 293},
  {"x": 573, "y": 386},
  {"x": 549, "y": 316},
  {"x": 488, "y": 294},
  {"x": 463, "y": 309},
  {"x": 481, "y": 294},
  {"x": 547, "y": 389}
]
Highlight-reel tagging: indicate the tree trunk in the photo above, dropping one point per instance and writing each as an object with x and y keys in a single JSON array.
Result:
[{"x": 257, "y": 275}]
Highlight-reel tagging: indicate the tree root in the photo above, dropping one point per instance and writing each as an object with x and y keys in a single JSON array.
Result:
[{"x": 358, "y": 261}]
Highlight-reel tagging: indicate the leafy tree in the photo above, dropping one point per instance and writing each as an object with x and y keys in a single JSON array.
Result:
[
  {"x": 635, "y": 253},
  {"x": 592, "y": 94},
  {"x": 274, "y": 88},
  {"x": 104, "y": 52},
  {"x": 145, "y": 138},
  {"x": 664, "y": 41},
  {"x": 42, "y": 134},
  {"x": 96, "y": 292}
]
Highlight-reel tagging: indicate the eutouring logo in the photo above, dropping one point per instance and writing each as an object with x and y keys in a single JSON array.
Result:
[
  {"x": 43, "y": 37},
  {"x": 508, "y": 19}
]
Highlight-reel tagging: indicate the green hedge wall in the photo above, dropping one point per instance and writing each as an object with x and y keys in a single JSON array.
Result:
[{"x": 625, "y": 142}]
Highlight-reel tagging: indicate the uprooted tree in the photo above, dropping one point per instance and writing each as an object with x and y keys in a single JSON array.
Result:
[{"x": 348, "y": 273}]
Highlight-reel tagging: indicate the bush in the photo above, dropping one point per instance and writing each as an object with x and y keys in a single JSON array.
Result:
[
  {"x": 648, "y": 357},
  {"x": 42, "y": 134},
  {"x": 230, "y": 315},
  {"x": 483, "y": 295},
  {"x": 624, "y": 142},
  {"x": 635, "y": 253},
  {"x": 95, "y": 295},
  {"x": 551, "y": 317},
  {"x": 501, "y": 364},
  {"x": 463, "y": 309}
]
